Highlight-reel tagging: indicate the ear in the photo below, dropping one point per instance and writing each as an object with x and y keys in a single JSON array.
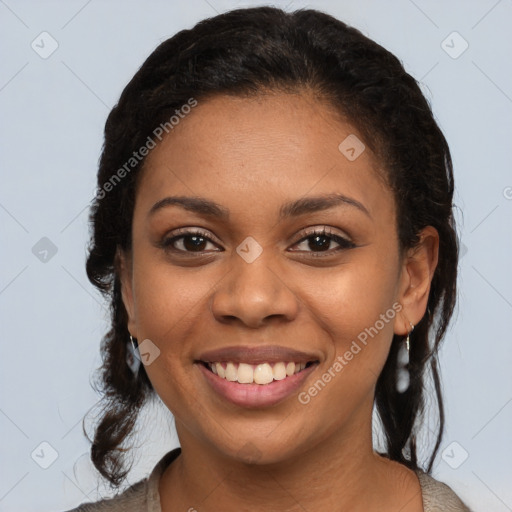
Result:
[
  {"x": 416, "y": 276},
  {"x": 125, "y": 272}
]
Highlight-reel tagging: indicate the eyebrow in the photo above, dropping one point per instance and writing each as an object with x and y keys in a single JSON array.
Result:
[{"x": 208, "y": 208}]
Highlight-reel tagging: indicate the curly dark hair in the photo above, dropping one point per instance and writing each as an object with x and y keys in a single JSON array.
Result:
[{"x": 245, "y": 52}]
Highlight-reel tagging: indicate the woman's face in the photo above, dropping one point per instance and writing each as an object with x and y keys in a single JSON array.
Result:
[{"x": 260, "y": 286}]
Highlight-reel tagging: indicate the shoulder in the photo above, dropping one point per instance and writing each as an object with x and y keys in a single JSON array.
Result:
[
  {"x": 132, "y": 499},
  {"x": 437, "y": 496},
  {"x": 140, "y": 497}
]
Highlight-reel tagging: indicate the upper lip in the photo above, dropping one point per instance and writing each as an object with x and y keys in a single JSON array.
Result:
[{"x": 256, "y": 355}]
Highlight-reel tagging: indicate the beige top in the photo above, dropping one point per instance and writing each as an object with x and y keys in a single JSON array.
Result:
[{"x": 143, "y": 496}]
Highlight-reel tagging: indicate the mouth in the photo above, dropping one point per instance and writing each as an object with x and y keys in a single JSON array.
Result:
[
  {"x": 253, "y": 377},
  {"x": 261, "y": 374}
]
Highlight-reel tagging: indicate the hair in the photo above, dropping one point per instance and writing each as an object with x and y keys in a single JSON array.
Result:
[{"x": 245, "y": 52}]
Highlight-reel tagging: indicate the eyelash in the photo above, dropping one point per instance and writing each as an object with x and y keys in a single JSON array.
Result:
[{"x": 344, "y": 243}]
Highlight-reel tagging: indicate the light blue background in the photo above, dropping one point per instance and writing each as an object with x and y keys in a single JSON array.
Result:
[{"x": 53, "y": 112}]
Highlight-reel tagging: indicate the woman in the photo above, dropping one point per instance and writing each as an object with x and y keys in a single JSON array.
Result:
[{"x": 273, "y": 227}]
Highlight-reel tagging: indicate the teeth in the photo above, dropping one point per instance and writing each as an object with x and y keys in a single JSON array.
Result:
[
  {"x": 279, "y": 371},
  {"x": 231, "y": 372},
  {"x": 263, "y": 373},
  {"x": 245, "y": 374},
  {"x": 221, "y": 371}
]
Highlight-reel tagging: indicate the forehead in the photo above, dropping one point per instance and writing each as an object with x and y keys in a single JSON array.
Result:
[{"x": 244, "y": 151}]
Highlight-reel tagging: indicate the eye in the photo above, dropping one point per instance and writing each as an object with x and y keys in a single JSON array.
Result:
[
  {"x": 196, "y": 242},
  {"x": 187, "y": 241},
  {"x": 319, "y": 241}
]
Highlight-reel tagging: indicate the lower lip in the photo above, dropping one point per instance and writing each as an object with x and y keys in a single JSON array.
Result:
[{"x": 256, "y": 395}]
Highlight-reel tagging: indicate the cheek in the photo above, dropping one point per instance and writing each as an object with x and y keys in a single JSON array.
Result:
[
  {"x": 348, "y": 306},
  {"x": 352, "y": 296},
  {"x": 167, "y": 305},
  {"x": 171, "y": 305},
  {"x": 164, "y": 294},
  {"x": 356, "y": 305}
]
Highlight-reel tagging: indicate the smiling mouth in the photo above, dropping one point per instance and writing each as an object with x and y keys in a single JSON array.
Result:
[{"x": 263, "y": 373}]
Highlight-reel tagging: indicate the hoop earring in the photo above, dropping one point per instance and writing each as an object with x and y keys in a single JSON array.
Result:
[
  {"x": 132, "y": 355},
  {"x": 403, "y": 377}
]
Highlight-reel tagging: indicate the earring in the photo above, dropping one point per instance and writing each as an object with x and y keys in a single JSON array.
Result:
[
  {"x": 403, "y": 377},
  {"x": 132, "y": 355}
]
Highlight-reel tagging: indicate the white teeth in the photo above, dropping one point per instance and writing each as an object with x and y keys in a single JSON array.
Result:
[
  {"x": 245, "y": 374},
  {"x": 279, "y": 371},
  {"x": 263, "y": 373},
  {"x": 221, "y": 372},
  {"x": 231, "y": 372}
]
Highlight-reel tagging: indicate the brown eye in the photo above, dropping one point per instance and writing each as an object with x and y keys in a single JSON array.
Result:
[
  {"x": 320, "y": 241},
  {"x": 188, "y": 242}
]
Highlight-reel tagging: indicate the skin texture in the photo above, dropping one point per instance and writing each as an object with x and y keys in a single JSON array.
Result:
[{"x": 251, "y": 156}]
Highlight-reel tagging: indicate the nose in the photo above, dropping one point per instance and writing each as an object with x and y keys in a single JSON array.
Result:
[{"x": 254, "y": 293}]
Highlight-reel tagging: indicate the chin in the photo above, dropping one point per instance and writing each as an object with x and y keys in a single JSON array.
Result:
[{"x": 263, "y": 450}]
